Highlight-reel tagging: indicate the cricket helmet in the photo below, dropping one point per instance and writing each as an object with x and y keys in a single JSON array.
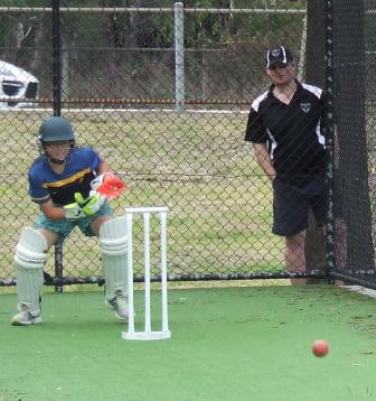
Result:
[{"x": 56, "y": 129}]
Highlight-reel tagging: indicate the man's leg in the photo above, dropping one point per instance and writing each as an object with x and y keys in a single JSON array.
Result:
[
  {"x": 295, "y": 256},
  {"x": 29, "y": 262},
  {"x": 290, "y": 215},
  {"x": 113, "y": 240}
]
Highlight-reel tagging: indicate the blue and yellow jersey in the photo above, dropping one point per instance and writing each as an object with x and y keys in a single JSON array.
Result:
[{"x": 81, "y": 167}]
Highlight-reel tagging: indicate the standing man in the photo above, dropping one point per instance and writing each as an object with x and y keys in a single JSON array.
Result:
[
  {"x": 285, "y": 127},
  {"x": 62, "y": 183}
]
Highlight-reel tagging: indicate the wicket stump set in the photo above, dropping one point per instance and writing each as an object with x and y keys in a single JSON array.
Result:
[{"x": 146, "y": 212}]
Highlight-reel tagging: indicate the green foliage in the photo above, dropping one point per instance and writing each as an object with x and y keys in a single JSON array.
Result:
[{"x": 156, "y": 29}]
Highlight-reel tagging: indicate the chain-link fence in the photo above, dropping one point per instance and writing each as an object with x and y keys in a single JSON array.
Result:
[
  {"x": 354, "y": 178},
  {"x": 162, "y": 91}
]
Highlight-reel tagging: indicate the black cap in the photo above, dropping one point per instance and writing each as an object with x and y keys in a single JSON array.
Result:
[{"x": 279, "y": 55}]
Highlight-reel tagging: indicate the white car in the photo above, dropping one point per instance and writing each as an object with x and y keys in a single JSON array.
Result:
[{"x": 17, "y": 86}]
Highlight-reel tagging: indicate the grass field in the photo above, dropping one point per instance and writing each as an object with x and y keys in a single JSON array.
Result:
[
  {"x": 249, "y": 343},
  {"x": 196, "y": 163}
]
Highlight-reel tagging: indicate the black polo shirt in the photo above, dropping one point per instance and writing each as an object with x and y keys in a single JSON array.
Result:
[{"x": 293, "y": 132}]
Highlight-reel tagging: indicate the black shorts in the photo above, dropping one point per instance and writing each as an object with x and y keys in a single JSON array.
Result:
[{"x": 291, "y": 204}]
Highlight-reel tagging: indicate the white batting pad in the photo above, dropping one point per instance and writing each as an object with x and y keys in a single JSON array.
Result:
[
  {"x": 113, "y": 240},
  {"x": 31, "y": 249},
  {"x": 113, "y": 236},
  {"x": 29, "y": 261}
]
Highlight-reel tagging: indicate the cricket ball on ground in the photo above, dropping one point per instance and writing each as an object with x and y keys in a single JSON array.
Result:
[{"x": 320, "y": 348}]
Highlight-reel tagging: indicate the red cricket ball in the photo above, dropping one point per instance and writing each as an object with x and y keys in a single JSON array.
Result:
[{"x": 320, "y": 348}]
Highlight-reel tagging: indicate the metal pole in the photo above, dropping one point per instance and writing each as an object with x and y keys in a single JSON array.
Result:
[
  {"x": 330, "y": 127},
  {"x": 146, "y": 10},
  {"x": 179, "y": 57},
  {"x": 59, "y": 267},
  {"x": 302, "y": 55},
  {"x": 56, "y": 93},
  {"x": 56, "y": 57},
  {"x": 65, "y": 72}
]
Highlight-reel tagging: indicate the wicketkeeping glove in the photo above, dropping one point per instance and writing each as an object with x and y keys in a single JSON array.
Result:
[
  {"x": 73, "y": 211},
  {"x": 99, "y": 180},
  {"x": 107, "y": 185},
  {"x": 91, "y": 204}
]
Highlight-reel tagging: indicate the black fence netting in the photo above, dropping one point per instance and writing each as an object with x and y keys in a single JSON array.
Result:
[
  {"x": 354, "y": 48},
  {"x": 162, "y": 91}
]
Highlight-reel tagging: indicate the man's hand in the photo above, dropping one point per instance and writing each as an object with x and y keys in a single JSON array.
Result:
[
  {"x": 99, "y": 180},
  {"x": 73, "y": 211},
  {"x": 264, "y": 161},
  {"x": 91, "y": 204},
  {"x": 108, "y": 185}
]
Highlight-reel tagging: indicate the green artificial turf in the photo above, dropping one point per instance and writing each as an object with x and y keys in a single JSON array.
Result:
[{"x": 227, "y": 344}]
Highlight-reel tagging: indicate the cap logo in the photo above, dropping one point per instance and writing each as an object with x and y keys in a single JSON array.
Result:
[
  {"x": 306, "y": 107},
  {"x": 276, "y": 52}
]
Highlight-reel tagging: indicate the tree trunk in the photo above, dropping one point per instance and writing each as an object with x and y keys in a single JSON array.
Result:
[
  {"x": 13, "y": 41},
  {"x": 40, "y": 37}
]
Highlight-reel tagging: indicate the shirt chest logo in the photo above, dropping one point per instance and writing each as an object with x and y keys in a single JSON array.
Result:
[{"x": 306, "y": 107}]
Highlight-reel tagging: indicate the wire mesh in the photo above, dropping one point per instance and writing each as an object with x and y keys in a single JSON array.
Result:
[
  {"x": 119, "y": 79},
  {"x": 354, "y": 190}
]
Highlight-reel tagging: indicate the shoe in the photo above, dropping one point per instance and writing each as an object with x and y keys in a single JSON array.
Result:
[
  {"x": 25, "y": 318},
  {"x": 120, "y": 305}
]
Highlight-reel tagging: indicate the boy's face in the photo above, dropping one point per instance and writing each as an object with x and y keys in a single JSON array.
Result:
[
  {"x": 281, "y": 74},
  {"x": 58, "y": 150}
]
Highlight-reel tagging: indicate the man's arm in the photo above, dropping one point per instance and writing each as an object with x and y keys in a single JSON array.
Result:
[
  {"x": 52, "y": 211},
  {"x": 104, "y": 168},
  {"x": 263, "y": 159},
  {"x": 256, "y": 133}
]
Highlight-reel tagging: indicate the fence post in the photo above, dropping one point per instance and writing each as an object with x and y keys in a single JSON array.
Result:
[
  {"x": 59, "y": 267},
  {"x": 56, "y": 92},
  {"x": 313, "y": 58},
  {"x": 179, "y": 57},
  {"x": 56, "y": 57},
  {"x": 65, "y": 72},
  {"x": 330, "y": 127}
]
